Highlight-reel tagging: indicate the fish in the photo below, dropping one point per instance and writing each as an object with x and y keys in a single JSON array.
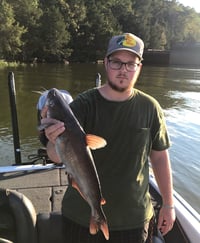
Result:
[{"x": 73, "y": 147}]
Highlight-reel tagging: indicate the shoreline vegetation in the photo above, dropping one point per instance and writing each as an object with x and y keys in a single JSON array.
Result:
[
  {"x": 4, "y": 64},
  {"x": 175, "y": 56},
  {"x": 77, "y": 31}
]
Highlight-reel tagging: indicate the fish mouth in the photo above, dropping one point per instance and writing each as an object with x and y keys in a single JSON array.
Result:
[
  {"x": 47, "y": 102},
  {"x": 50, "y": 102},
  {"x": 48, "y": 114}
]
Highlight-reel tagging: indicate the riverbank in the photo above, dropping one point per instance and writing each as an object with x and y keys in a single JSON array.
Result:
[
  {"x": 4, "y": 64},
  {"x": 182, "y": 55}
]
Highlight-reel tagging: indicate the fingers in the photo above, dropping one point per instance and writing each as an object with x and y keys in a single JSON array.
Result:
[
  {"x": 49, "y": 121},
  {"x": 54, "y": 128},
  {"x": 165, "y": 227},
  {"x": 54, "y": 131},
  {"x": 166, "y": 220}
]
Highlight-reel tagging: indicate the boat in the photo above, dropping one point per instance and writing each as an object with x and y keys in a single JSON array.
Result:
[{"x": 31, "y": 195}]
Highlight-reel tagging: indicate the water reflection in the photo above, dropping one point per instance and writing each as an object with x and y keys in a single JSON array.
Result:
[{"x": 186, "y": 100}]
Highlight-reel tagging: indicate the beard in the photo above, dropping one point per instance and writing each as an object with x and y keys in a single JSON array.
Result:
[{"x": 115, "y": 87}]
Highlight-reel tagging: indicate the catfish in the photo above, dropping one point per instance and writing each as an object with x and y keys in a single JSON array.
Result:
[{"x": 73, "y": 148}]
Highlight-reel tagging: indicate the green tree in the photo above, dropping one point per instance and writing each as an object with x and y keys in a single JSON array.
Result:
[
  {"x": 79, "y": 30},
  {"x": 74, "y": 14},
  {"x": 90, "y": 42},
  {"x": 158, "y": 37},
  {"x": 27, "y": 13},
  {"x": 123, "y": 14},
  {"x": 142, "y": 17},
  {"x": 192, "y": 26},
  {"x": 10, "y": 33},
  {"x": 54, "y": 36}
]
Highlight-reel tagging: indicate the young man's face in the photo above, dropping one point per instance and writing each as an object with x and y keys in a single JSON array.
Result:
[{"x": 123, "y": 68}]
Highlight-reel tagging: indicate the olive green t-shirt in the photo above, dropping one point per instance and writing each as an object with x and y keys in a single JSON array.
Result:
[{"x": 131, "y": 128}]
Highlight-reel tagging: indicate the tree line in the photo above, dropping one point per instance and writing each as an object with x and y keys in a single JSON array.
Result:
[{"x": 79, "y": 30}]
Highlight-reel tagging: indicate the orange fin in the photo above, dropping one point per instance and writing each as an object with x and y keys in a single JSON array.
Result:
[
  {"x": 95, "y": 142},
  {"x": 104, "y": 229},
  {"x": 94, "y": 228},
  {"x": 75, "y": 185},
  {"x": 103, "y": 201}
]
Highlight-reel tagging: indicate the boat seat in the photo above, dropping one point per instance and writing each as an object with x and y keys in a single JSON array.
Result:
[
  {"x": 5, "y": 241},
  {"x": 49, "y": 228},
  {"x": 17, "y": 217}
]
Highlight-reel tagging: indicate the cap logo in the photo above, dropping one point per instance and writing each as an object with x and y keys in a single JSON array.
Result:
[{"x": 127, "y": 40}]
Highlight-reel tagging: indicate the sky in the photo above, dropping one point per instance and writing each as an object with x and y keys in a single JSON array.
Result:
[{"x": 191, "y": 3}]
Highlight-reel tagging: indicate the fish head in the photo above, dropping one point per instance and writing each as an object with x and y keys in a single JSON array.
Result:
[{"x": 56, "y": 104}]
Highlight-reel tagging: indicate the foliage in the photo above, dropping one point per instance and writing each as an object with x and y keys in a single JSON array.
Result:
[
  {"x": 10, "y": 32},
  {"x": 78, "y": 30},
  {"x": 53, "y": 35}
]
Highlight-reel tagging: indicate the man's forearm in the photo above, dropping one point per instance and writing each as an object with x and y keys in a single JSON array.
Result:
[{"x": 162, "y": 171}]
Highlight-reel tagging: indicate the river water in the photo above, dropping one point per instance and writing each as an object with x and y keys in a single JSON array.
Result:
[{"x": 176, "y": 88}]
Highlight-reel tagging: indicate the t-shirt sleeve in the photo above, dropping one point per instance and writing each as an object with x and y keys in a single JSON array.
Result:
[{"x": 160, "y": 136}]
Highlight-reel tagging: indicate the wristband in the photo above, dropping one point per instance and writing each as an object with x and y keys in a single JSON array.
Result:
[{"x": 168, "y": 206}]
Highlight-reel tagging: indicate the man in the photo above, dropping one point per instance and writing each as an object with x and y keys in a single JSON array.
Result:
[{"x": 133, "y": 125}]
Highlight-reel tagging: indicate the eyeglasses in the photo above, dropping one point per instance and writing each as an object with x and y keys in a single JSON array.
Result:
[{"x": 116, "y": 65}]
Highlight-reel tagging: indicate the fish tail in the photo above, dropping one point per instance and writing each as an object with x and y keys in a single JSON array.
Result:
[
  {"x": 104, "y": 229},
  {"x": 96, "y": 225}
]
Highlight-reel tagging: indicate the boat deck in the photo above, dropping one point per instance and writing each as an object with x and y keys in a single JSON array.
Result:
[{"x": 45, "y": 188}]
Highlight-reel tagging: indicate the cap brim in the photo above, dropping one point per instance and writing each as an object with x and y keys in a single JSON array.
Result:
[{"x": 124, "y": 49}]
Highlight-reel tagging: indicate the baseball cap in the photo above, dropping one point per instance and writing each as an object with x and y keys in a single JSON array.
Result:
[
  {"x": 128, "y": 42},
  {"x": 42, "y": 100}
]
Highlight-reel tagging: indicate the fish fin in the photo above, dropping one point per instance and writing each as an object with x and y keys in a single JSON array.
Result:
[
  {"x": 95, "y": 226},
  {"x": 75, "y": 185},
  {"x": 95, "y": 142},
  {"x": 103, "y": 201},
  {"x": 104, "y": 229}
]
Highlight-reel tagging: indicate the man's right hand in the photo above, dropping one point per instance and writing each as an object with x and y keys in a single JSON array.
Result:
[
  {"x": 54, "y": 130},
  {"x": 55, "y": 127}
]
